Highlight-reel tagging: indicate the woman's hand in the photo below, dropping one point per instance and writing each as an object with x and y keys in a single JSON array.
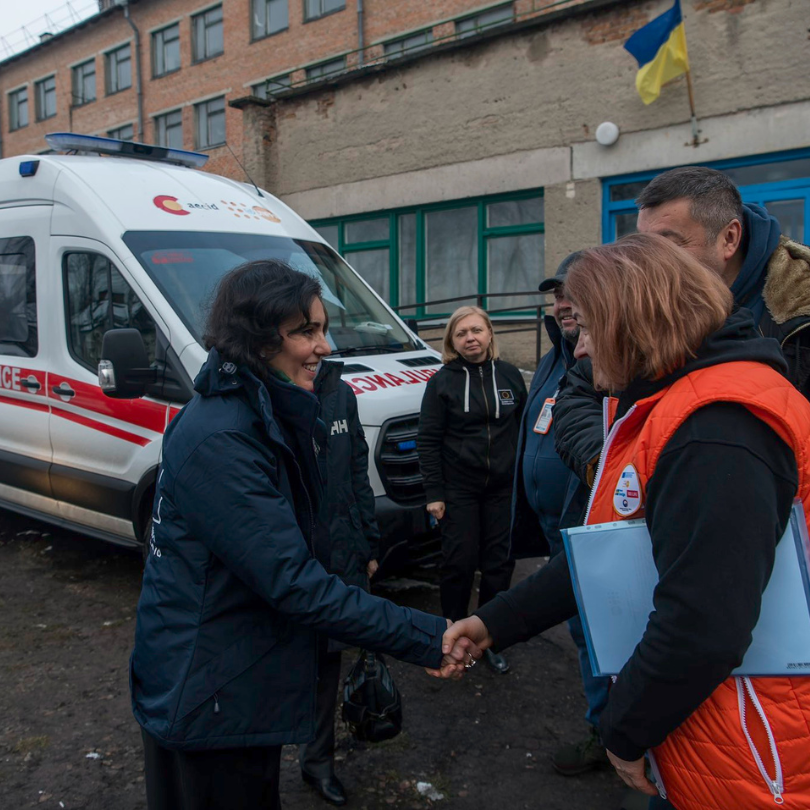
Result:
[
  {"x": 632, "y": 773},
  {"x": 436, "y": 508},
  {"x": 462, "y": 645},
  {"x": 371, "y": 568}
]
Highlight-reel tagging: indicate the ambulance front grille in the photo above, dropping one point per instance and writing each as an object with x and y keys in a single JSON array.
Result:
[{"x": 398, "y": 462}]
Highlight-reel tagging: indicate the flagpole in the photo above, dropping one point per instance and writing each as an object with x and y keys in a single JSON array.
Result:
[{"x": 695, "y": 130}]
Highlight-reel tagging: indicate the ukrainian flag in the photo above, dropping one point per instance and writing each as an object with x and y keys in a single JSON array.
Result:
[{"x": 660, "y": 49}]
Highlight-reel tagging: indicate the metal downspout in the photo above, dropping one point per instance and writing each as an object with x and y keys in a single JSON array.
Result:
[
  {"x": 361, "y": 40},
  {"x": 138, "y": 83}
]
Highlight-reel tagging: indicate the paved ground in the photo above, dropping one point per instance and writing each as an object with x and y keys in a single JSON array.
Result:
[{"x": 68, "y": 739}]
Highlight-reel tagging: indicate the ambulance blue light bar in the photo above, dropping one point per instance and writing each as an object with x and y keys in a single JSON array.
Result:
[{"x": 72, "y": 142}]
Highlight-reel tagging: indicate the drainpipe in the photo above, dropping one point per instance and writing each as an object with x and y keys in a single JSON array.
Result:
[
  {"x": 138, "y": 84},
  {"x": 360, "y": 38}
]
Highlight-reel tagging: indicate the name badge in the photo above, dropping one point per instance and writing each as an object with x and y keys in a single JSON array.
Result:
[{"x": 543, "y": 424}]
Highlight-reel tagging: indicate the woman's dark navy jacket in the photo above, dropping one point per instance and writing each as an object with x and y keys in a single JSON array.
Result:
[{"x": 226, "y": 641}]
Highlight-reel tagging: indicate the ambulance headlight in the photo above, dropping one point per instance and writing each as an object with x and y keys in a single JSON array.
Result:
[{"x": 106, "y": 375}]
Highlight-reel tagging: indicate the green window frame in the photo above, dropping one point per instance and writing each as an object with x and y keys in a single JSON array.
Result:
[{"x": 486, "y": 234}]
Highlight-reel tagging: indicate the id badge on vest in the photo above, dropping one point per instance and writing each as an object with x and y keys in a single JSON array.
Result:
[{"x": 544, "y": 420}]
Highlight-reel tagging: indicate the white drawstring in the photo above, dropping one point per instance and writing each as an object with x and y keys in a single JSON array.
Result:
[
  {"x": 495, "y": 390},
  {"x": 467, "y": 391}
]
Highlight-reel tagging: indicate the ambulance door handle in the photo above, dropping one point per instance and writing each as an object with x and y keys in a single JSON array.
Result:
[
  {"x": 31, "y": 384},
  {"x": 63, "y": 390}
]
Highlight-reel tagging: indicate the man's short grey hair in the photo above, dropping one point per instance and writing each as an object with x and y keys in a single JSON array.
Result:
[{"x": 715, "y": 199}]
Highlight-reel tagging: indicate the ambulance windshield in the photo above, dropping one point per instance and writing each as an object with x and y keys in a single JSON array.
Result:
[{"x": 187, "y": 265}]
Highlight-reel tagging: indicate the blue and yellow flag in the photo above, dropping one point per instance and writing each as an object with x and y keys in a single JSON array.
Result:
[{"x": 660, "y": 49}]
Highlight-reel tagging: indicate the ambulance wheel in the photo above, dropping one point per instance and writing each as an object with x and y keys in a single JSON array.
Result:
[{"x": 145, "y": 538}]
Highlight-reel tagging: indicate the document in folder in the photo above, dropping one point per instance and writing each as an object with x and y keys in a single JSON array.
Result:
[{"x": 614, "y": 577}]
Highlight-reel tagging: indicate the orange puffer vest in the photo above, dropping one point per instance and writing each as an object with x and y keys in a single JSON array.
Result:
[{"x": 748, "y": 745}]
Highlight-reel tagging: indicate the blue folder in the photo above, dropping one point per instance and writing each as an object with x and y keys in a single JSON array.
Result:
[{"x": 614, "y": 577}]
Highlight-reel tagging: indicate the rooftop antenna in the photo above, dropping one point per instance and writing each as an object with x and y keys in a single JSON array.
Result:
[{"x": 244, "y": 170}]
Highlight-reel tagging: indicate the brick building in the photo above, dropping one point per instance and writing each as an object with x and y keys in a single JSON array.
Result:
[{"x": 445, "y": 147}]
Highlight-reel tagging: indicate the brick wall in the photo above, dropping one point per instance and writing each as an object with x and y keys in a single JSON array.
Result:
[{"x": 243, "y": 63}]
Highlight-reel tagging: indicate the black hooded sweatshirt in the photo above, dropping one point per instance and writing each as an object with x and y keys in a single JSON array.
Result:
[
  {"x": 468, "y": 427},
  {"x": 717, "y": 504}
]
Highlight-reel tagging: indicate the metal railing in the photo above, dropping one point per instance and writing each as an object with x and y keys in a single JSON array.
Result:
[{"x": 440, "y": 321}]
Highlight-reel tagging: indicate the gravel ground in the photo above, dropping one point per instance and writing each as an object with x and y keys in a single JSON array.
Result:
[{"x": 68, "y": 738}]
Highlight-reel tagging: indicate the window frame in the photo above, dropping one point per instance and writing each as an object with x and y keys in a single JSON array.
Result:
[
  {"x": 40, "y": 97},
  {"x": 485, "y": 233},
  {"x": 612, "y": 208},
  {"x": 254, "y": 89},
  {"x": 82, "y": 77},
  {"x": 159, "y": 35},
  {"x": 15, "y": 103},
  {"x": 195, "y": 59},
  {"x": 163, "y": 117},
  {"x": 425, "y": 32},
  {"x": 111, "y": 266},
  {"x": 254, "y": 37},
  {"x": 111, "y": 59},
  {"x": 323, "y": 76},
  {"x": 322, "y": 14},
  {"x": 115, "y": 132},
  {"x": 478, "y": 29},
  {"x": 197, "y": 108},
  {"x": 27, "y": 248}
]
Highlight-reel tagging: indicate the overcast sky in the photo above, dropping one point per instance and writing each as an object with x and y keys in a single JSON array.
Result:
[{"x": 31, "y": 14}]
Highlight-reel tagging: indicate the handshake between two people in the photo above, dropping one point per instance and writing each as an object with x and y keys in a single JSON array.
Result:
[{"x": 463, "y": 644}]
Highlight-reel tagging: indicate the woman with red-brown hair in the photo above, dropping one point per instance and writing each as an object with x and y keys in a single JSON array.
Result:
[{"x": 719, "y": 442}]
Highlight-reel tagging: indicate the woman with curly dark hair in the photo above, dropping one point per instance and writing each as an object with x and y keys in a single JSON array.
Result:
[{"x": 235, "y": 607}]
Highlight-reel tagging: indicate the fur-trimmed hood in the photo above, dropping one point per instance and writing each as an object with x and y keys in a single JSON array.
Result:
[{"x": 787, "y": 286}]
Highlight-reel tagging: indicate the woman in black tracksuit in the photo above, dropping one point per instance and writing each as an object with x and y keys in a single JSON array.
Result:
[{"x": 467, "y": 443}]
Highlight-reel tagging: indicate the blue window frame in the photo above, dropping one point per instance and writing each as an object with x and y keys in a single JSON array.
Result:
[{"x": 780, "y": 182}]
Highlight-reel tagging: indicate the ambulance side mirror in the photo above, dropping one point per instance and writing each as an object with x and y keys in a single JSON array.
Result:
[
  {"x": 412, "y": 324},
  {"x": 123, "y": 370}
]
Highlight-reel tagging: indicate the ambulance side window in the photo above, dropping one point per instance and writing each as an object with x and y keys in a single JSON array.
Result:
[
  {"x": 18, "y": 297},
  {"x": 97, "y": 298}
]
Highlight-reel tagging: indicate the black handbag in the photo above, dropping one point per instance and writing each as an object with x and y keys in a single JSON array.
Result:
[{"x": 372, "y": 706}]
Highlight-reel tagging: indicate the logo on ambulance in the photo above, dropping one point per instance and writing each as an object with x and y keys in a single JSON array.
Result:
[
  {"x": 627, "y": 495},
  {"x": 170, "y": 205}
]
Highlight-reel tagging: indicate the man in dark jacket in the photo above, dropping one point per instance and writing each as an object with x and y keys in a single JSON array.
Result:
[
  {"x": 350, "y": 551},
  {"x": 544, "y": 490},
  {"x": 701, "y": 210}
]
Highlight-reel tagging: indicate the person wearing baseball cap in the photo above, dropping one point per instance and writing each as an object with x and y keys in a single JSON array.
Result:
[{"x": 548, "y": 493}]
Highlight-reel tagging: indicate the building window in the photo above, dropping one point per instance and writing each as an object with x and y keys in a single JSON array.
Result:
[
  {"x": 123, "y": 133},
  {"x": 45, "y": 94},
  {"x": 779, "y": 182},
  {"x": 319, "y": 8},
  {"x": 269, "y": 17},
  {"x": 325, "y": 69},
  {"x": 465, "y": 248},
  {"x": 207, "y": 38},
  {"x": 470, "y": 26},
  {"x": 119, "y": 70},
  {"x": 277, "y": 84},
  {"x": 99, "y": 299},
  {"x": 18, "y": 298},
  {"x": 169, "y": 129},
  {"x": 409, "y": 44},
  {"x": 166, "y": 50},
  {"x": 210, "y": 123},
  {"x": 18, "y": 109},
  {"x": 83, "y": 83}
]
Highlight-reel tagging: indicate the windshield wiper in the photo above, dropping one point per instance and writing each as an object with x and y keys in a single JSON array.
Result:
[{"x": 350, "y": 350}]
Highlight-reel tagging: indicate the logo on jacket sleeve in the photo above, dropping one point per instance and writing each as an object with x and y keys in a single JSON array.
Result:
[
  {"x": 627, "y": 495},
  {"x": 339, "y": 426}
]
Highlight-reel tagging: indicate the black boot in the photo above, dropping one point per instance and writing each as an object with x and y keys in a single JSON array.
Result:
[
  {"x": 330, "y": 788},
  {"x": 496, "y": 662}
]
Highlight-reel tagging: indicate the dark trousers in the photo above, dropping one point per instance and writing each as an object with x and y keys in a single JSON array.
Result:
[
  {"x": 475, "y": 535},
  {"x": 220, "y": 779},
  {"x": 317, "y": 758}
]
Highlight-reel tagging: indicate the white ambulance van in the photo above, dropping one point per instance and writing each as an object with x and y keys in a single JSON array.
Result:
[{"x": 117, "y": 235}]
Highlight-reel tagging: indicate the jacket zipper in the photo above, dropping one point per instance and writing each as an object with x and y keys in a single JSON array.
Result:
[
  {"x": 794, "y": 332},
  {"x": 608, "y": 440},
  {"x": 216, "y": 703},
  {"x": 489, "y": 432},
  {"x": 775, "y": 785}
]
